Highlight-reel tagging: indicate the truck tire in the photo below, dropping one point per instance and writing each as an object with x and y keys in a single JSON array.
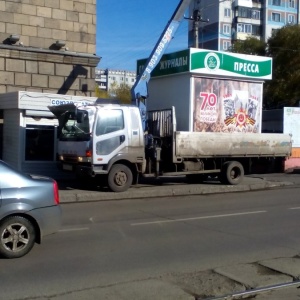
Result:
[
  {"x": 119, "y": 178},
  {"x": 232, "y": 173}
]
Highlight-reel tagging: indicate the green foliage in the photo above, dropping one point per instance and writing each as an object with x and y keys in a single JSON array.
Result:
[
  {"x": 284, "y": 48},
  {"x": 121, "y": 92},
  {"x": 250, "y": 45},
  {"x": 101, "y": 93}
]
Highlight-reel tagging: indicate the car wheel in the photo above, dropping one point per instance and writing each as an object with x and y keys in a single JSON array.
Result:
[
  {"x": 17, "y": 237},
  {"x": 119, "y": 178}
]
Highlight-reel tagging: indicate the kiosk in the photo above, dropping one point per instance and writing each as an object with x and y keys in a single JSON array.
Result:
[{"x": 28, "y": 131}]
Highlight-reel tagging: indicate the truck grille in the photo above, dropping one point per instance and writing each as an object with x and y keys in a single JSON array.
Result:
[{"x": 70, "y": 158}]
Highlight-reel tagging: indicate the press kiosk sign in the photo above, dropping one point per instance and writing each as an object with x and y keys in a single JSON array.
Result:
[
  {"x": 223, "y": 91},
  {"x": 230, "y": 64}
]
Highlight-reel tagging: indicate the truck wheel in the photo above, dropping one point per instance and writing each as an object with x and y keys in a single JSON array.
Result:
[
  {"x": 119, "y": 178},
  {"x": 17, "y": 237},
  {"x": 222, "y": 174},
  {"x": 232, "y": 173}
]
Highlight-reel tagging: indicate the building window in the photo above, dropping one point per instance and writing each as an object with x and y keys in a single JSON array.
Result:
[
  {"x": 256, "y": 30},
  {"x": 291, "y": 19},
  {"x": 226, "y": 29},
  {"x": 245, "y": 28},
  {"x": 292, "y": 3},
  {"x": 39, "y": 143},
  {"x": 276, "y": 2},
  {"x": 244, "y": 12},
  {"x": 276, "y": 17},
  {"x": 255, "y": 14},
  {"x": 226, "y": 45},
  {"x": 227, "y": 12}
]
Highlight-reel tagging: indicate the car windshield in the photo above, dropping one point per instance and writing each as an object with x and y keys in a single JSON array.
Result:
[{"x": 74, "y": 126}]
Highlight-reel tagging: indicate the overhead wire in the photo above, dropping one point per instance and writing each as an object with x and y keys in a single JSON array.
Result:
[
  {"x": 117, "y": 58},
  {"x": 135, "y": 52},
  {"x": 141, "y": 48}
]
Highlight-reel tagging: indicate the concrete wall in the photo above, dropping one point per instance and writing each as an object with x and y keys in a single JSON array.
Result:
[{"x": 35, "y": 63}]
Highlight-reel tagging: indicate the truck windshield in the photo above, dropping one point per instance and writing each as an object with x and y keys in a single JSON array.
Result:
[{"x": 74, "y": 126}]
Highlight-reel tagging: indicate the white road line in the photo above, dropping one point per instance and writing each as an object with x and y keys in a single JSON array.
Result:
[
  {"x": 200, "y": 218},
  {"x": 294, "y": 208},
  {"x": 73, "y": 229}
]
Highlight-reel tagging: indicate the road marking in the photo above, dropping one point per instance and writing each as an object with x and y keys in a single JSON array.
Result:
[
  {"x": 201, "y": 218},
  {"x": 294, "y": 208},
  {"x": 73, "y": 229}
]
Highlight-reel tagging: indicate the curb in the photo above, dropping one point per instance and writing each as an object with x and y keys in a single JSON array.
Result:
[{"x": 73, "y": 195}]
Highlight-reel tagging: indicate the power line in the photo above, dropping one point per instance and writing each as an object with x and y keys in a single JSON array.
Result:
[{"x": 139, "y": 49}]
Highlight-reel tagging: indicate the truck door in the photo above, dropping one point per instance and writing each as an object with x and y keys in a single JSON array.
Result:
[{"x": 110, "y": 134}]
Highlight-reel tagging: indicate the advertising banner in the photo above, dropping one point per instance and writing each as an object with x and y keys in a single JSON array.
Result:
[
  {"x": 212, "y": 63},
  {"x": 172, "y": 63},
  {"x": 291, "y": 124},
  {"x": 230, "y": 64},
  {"x": 227, "y": 106}
]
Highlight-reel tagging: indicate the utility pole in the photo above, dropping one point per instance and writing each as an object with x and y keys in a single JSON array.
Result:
[{"x": 196, "y": 18}]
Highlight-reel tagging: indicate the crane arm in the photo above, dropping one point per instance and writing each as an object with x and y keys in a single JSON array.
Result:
[{"x": 139, "y": 91}]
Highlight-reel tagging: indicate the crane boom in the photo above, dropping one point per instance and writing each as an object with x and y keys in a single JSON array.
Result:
[{"x": 139, "y": 91}]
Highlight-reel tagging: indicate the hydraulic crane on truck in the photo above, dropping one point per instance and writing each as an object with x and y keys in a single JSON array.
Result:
[
  {"x": 109, "y": 142},
  {"x": 139, "y": 91}
]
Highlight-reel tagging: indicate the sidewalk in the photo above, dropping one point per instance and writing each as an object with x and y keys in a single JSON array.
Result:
[{"x": 72, "y": 191}]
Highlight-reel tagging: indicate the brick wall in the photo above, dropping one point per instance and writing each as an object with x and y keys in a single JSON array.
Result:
[{"x": 34, "y": 63}]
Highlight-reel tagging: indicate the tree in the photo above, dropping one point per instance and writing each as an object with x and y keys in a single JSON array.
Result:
[
  {"x": 250, "y": 45},
  {"x": 101, "y": 93},
  {"x": 284, "y": 48},
  {"x": 121, "y": 92}
]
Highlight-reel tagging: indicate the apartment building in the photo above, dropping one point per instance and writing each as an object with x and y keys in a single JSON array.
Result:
[
  {"x": 105, "y": 78},
  {"x": 224, "y": 21}
]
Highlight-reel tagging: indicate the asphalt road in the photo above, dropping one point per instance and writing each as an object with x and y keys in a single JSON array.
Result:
[{"x": 156, "y": 248}]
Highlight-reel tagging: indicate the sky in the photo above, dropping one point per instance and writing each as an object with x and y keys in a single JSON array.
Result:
[{"x": 127, "y": 30}]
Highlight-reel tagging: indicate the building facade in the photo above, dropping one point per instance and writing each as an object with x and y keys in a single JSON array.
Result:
[
  {"x": 223, "y": 21},
  {"x": 106, "y": 78},
  {"x": 47, "y": 57},
  {"x": 48, "y": 46}
]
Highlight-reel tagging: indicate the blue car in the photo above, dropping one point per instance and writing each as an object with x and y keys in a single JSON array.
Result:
[{"x": 29, "y": 210}]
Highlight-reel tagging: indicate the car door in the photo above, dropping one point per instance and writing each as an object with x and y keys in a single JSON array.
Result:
[{"x": 110, "y": 135}]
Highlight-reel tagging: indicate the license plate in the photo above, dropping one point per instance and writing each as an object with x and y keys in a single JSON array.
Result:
[{"x": 67, "y": 167}]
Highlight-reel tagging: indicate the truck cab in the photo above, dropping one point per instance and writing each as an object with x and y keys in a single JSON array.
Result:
[{"x": 93, "y": 138}]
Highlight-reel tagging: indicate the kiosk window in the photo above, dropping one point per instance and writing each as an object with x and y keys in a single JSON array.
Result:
[{"x": 39, "y": 142}]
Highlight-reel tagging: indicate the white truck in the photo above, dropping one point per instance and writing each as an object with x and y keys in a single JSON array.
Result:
[
  {"x": 117, "y": 144},
  {"x": 108, "y": 141}
]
